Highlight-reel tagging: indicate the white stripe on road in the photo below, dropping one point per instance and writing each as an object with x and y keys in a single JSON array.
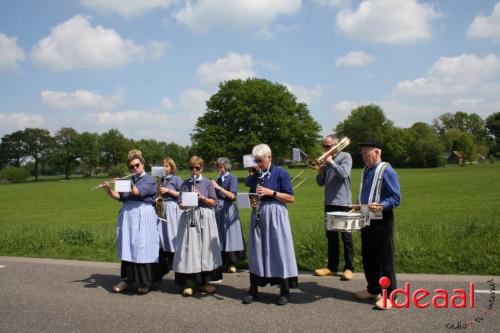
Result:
[
  {"x": 2, "y": 266},
  {"x": 486, "y": 291}
]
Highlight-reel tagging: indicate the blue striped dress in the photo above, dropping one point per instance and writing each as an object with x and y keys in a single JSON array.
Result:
[{"x": 137, "y": 230}]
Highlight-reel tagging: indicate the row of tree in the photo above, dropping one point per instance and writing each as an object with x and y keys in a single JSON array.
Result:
[
  {"x": 86, "y": 153},
  {"x": 423, "y": 145},
  {"x": 244, "y": 113}
]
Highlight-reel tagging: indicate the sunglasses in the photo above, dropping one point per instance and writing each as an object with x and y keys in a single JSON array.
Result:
[
  {"x": 327, "y": 146},
  {"x": 259, "y": 160},
  {"x": 196, "y": 168},
  {"x": 132, "y": 166}
]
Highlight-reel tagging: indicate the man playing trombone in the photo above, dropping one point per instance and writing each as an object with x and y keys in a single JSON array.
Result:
[{"x": 334, "y": 175}]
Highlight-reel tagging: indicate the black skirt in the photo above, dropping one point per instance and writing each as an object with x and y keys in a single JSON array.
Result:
[
  {"x": 144, "y": 275},
  {"x": 191, "y": 280},
  {"x": 262, "y": 281}
]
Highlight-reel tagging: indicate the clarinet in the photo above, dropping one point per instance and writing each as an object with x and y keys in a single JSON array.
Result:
[
  {"x": 191, "y": 209},
  {"x": 260, "y": 181}
]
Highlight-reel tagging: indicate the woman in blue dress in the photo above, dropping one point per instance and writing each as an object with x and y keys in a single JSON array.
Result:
[
  {"x": 170, "y": 191},
  {"x": 137, "y": 232},
  {"x": 228, "y": 218},
  {"x": 197, "y": 259},
  {"x": 271, "y": 255}
]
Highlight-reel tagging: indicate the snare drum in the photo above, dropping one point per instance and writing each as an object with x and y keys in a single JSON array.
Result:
[{"x": 344, "y": 221}]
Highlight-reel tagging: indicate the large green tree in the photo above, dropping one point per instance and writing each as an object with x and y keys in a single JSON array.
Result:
[
  {"x": 88, "y": 150},
  {"x": 152, "y": 151},
  {"x": 493, "y": 125},
  {"x": 470, "y": 123},
  {"x": 13, "y": 149},
  {"x": 67, "y": 149},
  {"x": 38, "y": 145},
  {"x": 367, "y": 122},
  {"x": 114, "y": 147},
  {"x": 180, "y": 154},
  {"x": 425, "y": 149},
  {"x": 244, "y": 113}
]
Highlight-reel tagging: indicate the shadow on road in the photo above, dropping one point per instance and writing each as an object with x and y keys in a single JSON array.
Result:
[{"x": 105, "y": 281}]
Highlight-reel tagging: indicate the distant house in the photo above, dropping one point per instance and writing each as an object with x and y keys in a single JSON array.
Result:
[{"x": 456, "y": 157}]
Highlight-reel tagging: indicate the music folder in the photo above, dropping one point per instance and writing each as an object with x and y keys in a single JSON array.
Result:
[
  {"x": 157, "y": 171},
  {"x": 189, "y": 199},
  {"x": 123, "y": 185}
]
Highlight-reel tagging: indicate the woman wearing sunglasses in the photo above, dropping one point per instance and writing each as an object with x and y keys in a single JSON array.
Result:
[
  {"x": 197, "y": 259},
  {"x": 228, "y": 218},
  {"x": 271, "y": 255},
  {"x": 170, "y": 191},
  {"x": 137, "y": 233}
]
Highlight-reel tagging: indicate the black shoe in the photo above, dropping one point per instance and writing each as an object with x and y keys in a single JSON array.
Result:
[
  {"x": 143, "y": 290},
  {"x": 248, "y": 299},
  {"x": 282, "y": 300},
  {"x": 250, "y": 296},
  {"x": 284, "y": 294}
]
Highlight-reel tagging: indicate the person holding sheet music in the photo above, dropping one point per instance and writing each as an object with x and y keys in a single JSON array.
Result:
[
  {"x": 197, "y": 259},
  {"x": 272, "y": 254},
  {"x": 170, "y": 190},
  {"x": 227, "y": 215},
  {"x": 137, "y": 232},
  {"x": 335, "y": 177}
]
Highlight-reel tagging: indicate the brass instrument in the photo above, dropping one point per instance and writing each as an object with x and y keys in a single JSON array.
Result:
[
  {"x": 334, "y": 151},
  {"x": 159, "y": 201}
]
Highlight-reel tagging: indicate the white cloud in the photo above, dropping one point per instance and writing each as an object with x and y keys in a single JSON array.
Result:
[
  {"x": 168, "y": 122},
  {"x": 10, "y": 122},
  {"x": 453, "y": 75},
  {"x": 193, "y": 104},
  {"x": 75, "y": 44},
  {"x": 486, "y": 26},
  {"x": 355, "y": 59},
  {"x": 167, "y": 104},
  {"x": 233, "y": 66},
  {"x": 127, "y": 8},
  {"x": 10, "y": 53},
  {"x": 80, "y": 99},
  {"x": 305, "y": 95},
  {"x": 388, "y": 21},
  {"x": 202, "y": 15}
]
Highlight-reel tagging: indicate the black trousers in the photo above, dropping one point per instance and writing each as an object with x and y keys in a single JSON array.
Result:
[
  {"x": 377, "y": 250},
  {"x": 333, "y": 244}
]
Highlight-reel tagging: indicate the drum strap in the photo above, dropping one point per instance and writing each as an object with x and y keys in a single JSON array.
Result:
[{"x": 376, "y": 187}]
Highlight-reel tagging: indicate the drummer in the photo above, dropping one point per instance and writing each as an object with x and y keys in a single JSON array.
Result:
[
  {"x": 377, "y": 243},
  {"x": 334, "y": 175}
]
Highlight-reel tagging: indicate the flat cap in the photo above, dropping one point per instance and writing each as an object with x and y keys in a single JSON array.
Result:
[{"x": 371, "y": 143}]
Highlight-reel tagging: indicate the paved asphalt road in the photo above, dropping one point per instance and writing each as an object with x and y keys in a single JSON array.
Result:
[{"x": 40, "y": 295}]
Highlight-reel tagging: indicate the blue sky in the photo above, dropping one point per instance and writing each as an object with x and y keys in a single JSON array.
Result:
[{"x": 147, "y": 67}]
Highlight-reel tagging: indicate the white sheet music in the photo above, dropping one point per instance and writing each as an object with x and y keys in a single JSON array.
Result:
[
  {"x": 296, "y": 154},
  {"x": 123, "y": 185},
  {"x": 243, "y": 200},
  {"x": 157, "y": 171},
  {"x": 189, "y": 199},
  {"x": 249, "y": 161}
]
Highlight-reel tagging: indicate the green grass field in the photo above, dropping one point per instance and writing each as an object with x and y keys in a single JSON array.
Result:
[{"x": 449, "y": 221}]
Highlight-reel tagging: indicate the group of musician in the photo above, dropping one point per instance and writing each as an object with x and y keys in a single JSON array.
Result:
[{"x": 201, "y": 242}]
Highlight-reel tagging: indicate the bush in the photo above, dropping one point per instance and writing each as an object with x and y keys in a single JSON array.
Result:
[
  {"x": 118, "y": 170},
  {"x": 14, "y": 174}
]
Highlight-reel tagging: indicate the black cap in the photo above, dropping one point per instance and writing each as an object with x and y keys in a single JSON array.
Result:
[{"x": 371, "y": 143}]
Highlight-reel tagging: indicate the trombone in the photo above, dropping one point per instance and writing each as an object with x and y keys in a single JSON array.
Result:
[{"x": 318, "y": 163}]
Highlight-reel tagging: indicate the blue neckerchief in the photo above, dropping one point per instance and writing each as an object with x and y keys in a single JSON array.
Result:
[
  {"x": 223, "y": 177},
  {"x": 136, "y": 178}
]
